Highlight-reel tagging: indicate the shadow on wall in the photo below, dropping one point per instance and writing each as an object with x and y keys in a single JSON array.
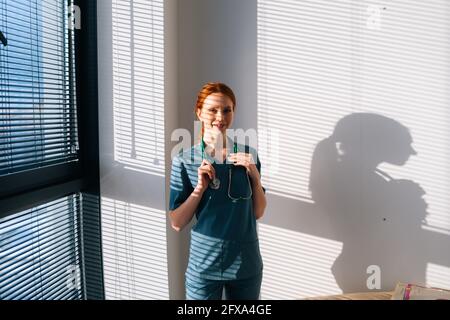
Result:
[
  {"x": 377, "y": 218},
  {"x": 364, "y": 205}
]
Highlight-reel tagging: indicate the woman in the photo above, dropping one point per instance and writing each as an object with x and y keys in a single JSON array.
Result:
[{"x": 220, "y": 182}]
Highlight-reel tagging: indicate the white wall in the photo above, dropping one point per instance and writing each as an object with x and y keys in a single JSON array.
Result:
[
  {"x": 297, "y": 68},
  {"x": 313, "y": 64},
  {"x": 318, "y": 63},
  {"x": 132, "y": 148},
  {"x": 175, "y": 242},
  {"x": 216, "y": 42}
]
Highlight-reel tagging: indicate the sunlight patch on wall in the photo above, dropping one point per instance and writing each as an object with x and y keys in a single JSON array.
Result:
[
  {"x": 134, "y": 251},
  {"x": 318, "y": 62},
  {"x": 438, "y": 276},
  {"x": 296, "y": 265},
  {"x": 403, "y": 73},
  {"x": 297, "y": 45},
  {"x": 138, "y": 84}
]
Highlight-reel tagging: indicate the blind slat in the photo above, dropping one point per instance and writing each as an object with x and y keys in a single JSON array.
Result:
[
  {"x": 46, "y": 163},
  {"x": 35, "y": 232},
  {"x": 37, "y": 288},
  {"x": 49, "y": 136},
  {"x": 42, "y": 157},
  {"x": 28, "y": 265},
  {"x": 38, "y": 146}
]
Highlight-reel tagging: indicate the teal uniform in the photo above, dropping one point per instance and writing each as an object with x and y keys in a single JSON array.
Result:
[{"x": 224, "y": 243}]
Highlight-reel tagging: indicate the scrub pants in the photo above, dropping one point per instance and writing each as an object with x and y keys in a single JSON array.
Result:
[{"x": 204, "y": 289}]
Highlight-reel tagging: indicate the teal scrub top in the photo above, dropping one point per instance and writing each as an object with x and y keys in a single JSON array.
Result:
[{"x": 224, "y": 241}]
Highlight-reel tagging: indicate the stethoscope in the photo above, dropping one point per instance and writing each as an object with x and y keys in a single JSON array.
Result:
[{"x": 215, "y": 183}]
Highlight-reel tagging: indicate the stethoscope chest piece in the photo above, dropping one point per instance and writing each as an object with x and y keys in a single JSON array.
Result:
[{"x": 215, "y": 184}]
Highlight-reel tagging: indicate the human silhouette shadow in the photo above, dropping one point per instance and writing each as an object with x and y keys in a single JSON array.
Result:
[{"x": 377, "y": 218}]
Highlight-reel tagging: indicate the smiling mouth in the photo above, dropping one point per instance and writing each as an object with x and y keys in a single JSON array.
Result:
[{"x": 219, "y": 126}]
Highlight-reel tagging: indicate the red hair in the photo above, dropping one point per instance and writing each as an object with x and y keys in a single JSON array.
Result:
[{"x": 210, "y": 88}]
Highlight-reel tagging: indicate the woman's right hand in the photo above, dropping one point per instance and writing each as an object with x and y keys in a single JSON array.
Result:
[{"x": 206, "y": 173}]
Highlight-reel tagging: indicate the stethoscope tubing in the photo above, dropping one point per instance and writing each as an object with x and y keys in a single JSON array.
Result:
[{"x": 215, "y": 184}]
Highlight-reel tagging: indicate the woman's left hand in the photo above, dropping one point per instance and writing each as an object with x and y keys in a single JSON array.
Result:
[{"x": 246, "y": 160}]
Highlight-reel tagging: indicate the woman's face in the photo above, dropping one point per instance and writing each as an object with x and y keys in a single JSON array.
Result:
[{"x": 217, "y": 113}]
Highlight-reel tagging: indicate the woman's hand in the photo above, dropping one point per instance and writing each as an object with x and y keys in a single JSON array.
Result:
[
  {"x": 205, "y": 173},
  {"x": 246, "y": 160},
  {"x": 259, "y": 199}
]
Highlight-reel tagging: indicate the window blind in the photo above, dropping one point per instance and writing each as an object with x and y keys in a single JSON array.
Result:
[
  {"x": 37, "y": 88},
  {"x": 40, "y": 252}
]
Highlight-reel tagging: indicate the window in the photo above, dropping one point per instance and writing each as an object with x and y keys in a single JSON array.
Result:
[
  {"x": 40, "y": 256},
  {"x": 38, "y": 124},
  {"x": 49, "y": 219}
]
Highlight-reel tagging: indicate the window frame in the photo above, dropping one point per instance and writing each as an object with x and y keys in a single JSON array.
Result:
[{"x": 28, "y": 189}]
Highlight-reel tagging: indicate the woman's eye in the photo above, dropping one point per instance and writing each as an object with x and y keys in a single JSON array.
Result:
[{"x": 214, "y": 111}]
